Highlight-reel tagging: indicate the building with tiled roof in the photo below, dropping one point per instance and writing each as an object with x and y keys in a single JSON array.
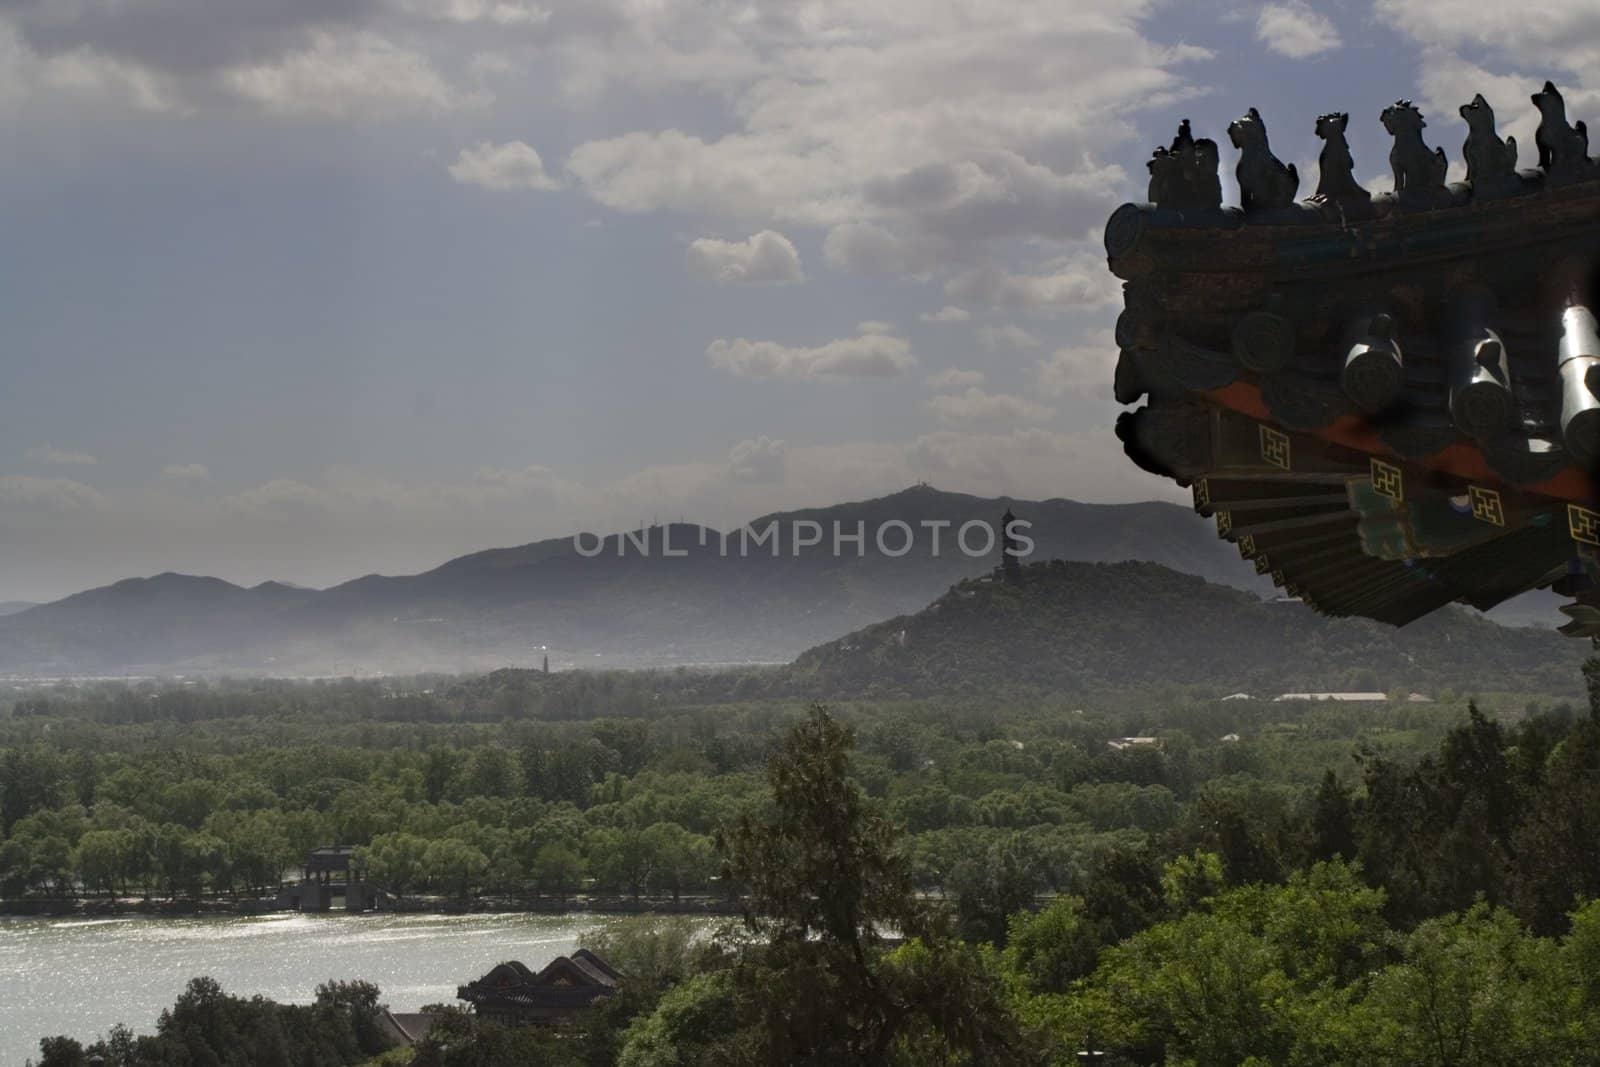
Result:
[{"x": 512, "y": 994}]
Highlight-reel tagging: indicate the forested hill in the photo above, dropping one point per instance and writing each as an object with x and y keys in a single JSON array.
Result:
[
  {"x": 1077, "y": 626},
  {"x": 626, "y": 606}
]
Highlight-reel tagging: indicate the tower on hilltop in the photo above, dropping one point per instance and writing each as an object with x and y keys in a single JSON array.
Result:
[{"x": 1010, "y": 557}]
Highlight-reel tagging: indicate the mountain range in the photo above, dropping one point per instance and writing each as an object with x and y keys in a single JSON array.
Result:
[
  {"x": 674, "y": 594},
  {"x": 664, "y": 595}
]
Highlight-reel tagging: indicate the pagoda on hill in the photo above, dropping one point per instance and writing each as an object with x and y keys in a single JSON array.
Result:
[
  {"x": 1010, "y": 550},
  {"x": 1388, "y": 402}
]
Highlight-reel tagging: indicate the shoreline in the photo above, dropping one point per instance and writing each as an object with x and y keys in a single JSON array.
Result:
[{"x": 81, "y": 908}]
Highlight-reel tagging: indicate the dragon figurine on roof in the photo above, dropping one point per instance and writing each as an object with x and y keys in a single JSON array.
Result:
[{"x": 1388, "y": 401}]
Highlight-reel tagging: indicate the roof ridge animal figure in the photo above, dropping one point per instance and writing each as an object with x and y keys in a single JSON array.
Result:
[
  {"x": 1185, "y": 174},
  {"x": 1264, "y": 180},
  {"x": 1336, "y": 179},
  {"x": 1163, "y": 167},
  {"x": 1491, "y": 162},
  {"x": 1563, "y": 148},
  {"x": 1417, "y": 169}
]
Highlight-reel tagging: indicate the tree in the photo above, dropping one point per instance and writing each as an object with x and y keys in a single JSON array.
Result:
[
  {"x": 38, "y": 855},
  {"x": 61, "y": 1052},
  {"x": 822, "y": 877},
  {"x": 1472, "y": 991},
  {"x": 557, "y": 869},
  {"x": 694, "y": 1025},
  {"x": 358, "y": 1001},
  {"x": 489, "y": 772},
  {"x": 103, "y": 859},
  {"x": 1190, "y": 880},
  {"x": 1052, "y": 948},
  {"x": 454, "y": 866},
  {"x": 619, "y": 859},
  {"x": 1122, "y": 892},
  {"x": 31, "y": 779},
  {"x": 654, "y": 950},
  {"x": 1332, "y": 826},
  {"x": 397, "y": 862},
  {"x": 257, "y": 844},
  {"x": 1440, "y": 835},
  {"x": 1558, "y": 845},
  {"x": 207, "y": 1026},
  {"x": 679, "y": 860},
  {"x": 993, "y": 884},
  {"x": 1263, "y": 974}
]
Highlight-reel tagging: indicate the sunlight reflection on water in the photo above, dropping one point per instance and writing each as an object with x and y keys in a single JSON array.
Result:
[{"x": 81, "y": 976}]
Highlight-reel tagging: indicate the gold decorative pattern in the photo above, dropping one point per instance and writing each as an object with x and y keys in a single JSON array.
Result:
[
  {"x": 1247, "y": 546},
  {"x": 1583, "y": 524},
  {"x": 1486, "y": 506},
  {"x": 1277, "y": 578},
  {"x": 1202, "y": 494},
  {"x": 1275, "y": 447},
  {"x": 1263, "y": 565},
  {"x": 1388, "y": 480},
  {"x": 1224, "y": 523}
]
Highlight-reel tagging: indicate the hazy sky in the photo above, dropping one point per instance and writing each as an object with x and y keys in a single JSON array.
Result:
[{"x": 309, "y": 288}]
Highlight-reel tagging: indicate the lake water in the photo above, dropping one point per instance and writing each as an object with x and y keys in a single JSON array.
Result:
[{"x": 81, "y": 976}]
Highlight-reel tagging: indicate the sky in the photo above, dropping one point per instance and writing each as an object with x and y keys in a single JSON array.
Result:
[{"x": 308, "y": 289}]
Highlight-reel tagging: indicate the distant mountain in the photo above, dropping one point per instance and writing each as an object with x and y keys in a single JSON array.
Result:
[
  {"x": 12, "y": 607},
  {"x": 626, "y": 603},
  {"x": 1075, "y": 626}
]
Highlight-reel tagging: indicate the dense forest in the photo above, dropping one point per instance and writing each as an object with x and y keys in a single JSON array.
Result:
[{"x": 1270, "y": 883}]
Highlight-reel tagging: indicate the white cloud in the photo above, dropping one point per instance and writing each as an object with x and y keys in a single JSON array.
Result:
[
  {"x": 1515, "y": 49},
  {"x": 868, "y": 248},
  {"x": 757, "y": 461},
  {"x": 501, "y": 167},
  {"x": 280, "y": 498},
  {"x": 871, "y": 354},
  {"x": 1537, "y": 34},
  {"x": 1007, "y": 336},
  {"x": 946, "y": 315},
  {"x": 47, "y": 454},
  {"x": 975, "y": 405},
  {"x": 671, "y": 170},
  {"x": 767, "y": 257},
  {"x": 953, "y": 378},
  {"x": 917, "y": 135},
  {"x": 347, "y": 74},
  {"x": 1034, "y": 461},
  {"x": 186, "y": 472},
  {"x": 1079, "y": 281},
  {"x": 500, "y": 13},
  {"x": 20, "y": 493},
  {"x": 1293, "y": 29},
  {"x": 1087, "y": 366}
]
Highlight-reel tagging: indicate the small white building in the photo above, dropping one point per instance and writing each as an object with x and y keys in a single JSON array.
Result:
[{"x": 1355, "y": 698}]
